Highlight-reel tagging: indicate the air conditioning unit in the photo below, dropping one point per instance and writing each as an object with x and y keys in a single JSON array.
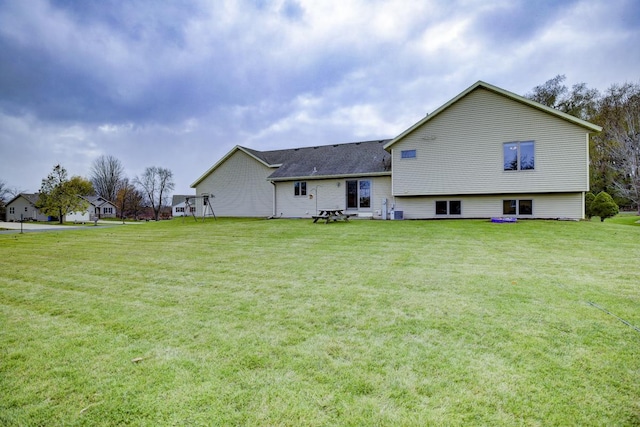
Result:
[{"x": 397, "y": 215}]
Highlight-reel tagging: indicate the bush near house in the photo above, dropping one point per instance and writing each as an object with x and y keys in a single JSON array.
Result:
[
  {"x": 604, "y": 206},
  {"x": 588, "y": 205}
]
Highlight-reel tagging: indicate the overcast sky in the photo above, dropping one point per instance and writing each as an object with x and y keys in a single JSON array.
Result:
[{"x": 177, "y": 84}]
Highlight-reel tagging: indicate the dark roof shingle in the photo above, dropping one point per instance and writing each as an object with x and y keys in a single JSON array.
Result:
[{"x": 355, "y": 158}]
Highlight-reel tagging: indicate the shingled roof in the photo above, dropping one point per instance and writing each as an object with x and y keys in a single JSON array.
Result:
[
  {"x": 365, "y": 158},
  {"x": 351, "y": 159}
]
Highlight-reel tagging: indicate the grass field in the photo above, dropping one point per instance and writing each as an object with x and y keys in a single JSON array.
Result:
[{"x": 285, "y": 322}]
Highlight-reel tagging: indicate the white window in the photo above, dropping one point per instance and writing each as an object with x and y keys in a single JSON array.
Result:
[{"x": 300, "y": 188}]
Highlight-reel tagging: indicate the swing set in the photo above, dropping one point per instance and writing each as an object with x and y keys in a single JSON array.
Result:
[{"x": 206, "y": 206}]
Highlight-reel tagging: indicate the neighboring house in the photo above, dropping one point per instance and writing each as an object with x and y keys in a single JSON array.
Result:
[
  {"x": 98, "y": 208},
  {"x": 485, "y": 153},
  {"x": 23, "y": 206},
  {"x": 179, "y": 205}
]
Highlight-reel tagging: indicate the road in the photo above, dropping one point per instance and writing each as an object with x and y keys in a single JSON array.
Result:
[{"x": 14, "y": 227}]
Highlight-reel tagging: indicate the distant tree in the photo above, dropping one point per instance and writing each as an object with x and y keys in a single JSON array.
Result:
[
  {"x": 604, "y": 206},
  {"x": 588, "y": 205},
  {"x": 59, "y": 195},
  {"x": 4, "y": 195},
  {"x": 129, "y": 199},
  {"x": 156, "y": 183},
  {"x": 107, "y": 174}
]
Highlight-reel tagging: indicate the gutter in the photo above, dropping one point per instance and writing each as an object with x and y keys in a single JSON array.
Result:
[{"x": 317, "y": 177}]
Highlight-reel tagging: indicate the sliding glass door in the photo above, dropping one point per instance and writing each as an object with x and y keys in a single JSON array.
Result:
[{"x": 358, "y": 194}]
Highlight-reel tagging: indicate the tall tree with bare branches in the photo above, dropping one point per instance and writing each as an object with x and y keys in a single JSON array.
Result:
[
  {"x": 156, "y": 183},
  {"x": 107, "y": 174},
  {"x": 619, "y": 112}
]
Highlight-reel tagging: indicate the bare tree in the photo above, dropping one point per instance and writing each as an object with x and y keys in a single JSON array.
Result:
[
  {"x": 4, "y": 195},
  {"x": 620, "y": 113},
  {"x": 580, "y": 101},
  {"x": 156, "y": 182},
  {"x": 129, "y": 199},
  {"x": 107, "y": 174}
]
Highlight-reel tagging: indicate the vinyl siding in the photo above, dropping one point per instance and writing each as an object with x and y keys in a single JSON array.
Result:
[
  {"x": 460, "y": 151},
  {"x": 327, "y": 194},
  {"x": 240, "y": 188},
  {"x": 551, "y": 206}
]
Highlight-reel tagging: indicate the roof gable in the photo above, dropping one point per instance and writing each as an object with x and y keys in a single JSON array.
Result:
[
  {"x": 259, "y": 156},
  {"x": 177, "y": 199},
  {"x": 32, "y": 198},
  {"x": 482, "y": 85}
]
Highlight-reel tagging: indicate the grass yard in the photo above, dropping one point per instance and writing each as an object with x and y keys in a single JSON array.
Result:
[{"x": 289, "y": 323}]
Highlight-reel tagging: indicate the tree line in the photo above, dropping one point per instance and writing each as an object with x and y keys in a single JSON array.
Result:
[
  {"x": 615, "y": 152},
  {"x": 60, "y": 194}
]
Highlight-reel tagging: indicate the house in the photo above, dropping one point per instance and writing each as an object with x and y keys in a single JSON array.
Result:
[
  {"x": 179, "y": 205},
  {"x": 99, "y": 207},
  {"x": 23, "y": 207},
  {"x": 485, "y": 153}
]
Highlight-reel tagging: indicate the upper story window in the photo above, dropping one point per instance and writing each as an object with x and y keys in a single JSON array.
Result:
[
  {"x": 300, "y": 188},
  {"x": 408, "y": 154},
  {"x": 519, "y": 155}
]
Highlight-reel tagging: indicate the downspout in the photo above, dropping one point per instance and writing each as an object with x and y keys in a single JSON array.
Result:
[{"x": 273, "y": 213}]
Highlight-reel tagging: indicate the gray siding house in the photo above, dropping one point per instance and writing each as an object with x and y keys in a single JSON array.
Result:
[
  {"x": 23, "y": 206},
  {"x": 485, "y": 153}
]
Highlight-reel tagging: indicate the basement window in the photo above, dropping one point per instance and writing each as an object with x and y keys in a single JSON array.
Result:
[
  {"x": 448, "y": 207},
  {"x": 517, "y": 207}
]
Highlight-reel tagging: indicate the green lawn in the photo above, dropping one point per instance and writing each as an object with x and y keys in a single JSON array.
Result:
[{"x": 285, "y": 322}]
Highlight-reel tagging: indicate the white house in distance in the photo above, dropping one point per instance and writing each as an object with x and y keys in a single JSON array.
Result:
[
  {"x": 485, "y": 153},
  {"x": 99, "y": 207},
  {"x": 179, "y": 205}
]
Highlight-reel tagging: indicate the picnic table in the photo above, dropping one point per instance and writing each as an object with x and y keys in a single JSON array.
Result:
[{"x": 329, "y": 215}]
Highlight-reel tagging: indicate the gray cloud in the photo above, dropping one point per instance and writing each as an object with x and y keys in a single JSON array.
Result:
[{"x": 178, "y": 83}]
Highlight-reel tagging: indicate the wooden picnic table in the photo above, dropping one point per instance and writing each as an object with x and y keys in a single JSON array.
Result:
[{"x": 329, "y": 215}]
